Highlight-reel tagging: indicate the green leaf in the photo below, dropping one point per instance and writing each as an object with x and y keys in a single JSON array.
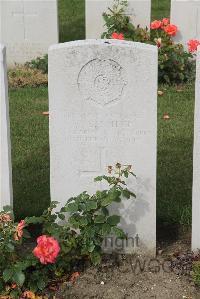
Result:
[
  {"x": 41, "y": 284},
  {"x": 114, "y": 193},
  {"x": 106, "y": 229},
  {"x": 95, "y": 258},
  {"x": 73, "y": 221},
  {"x": 84, "y": 196},
  {"x": 98, "y": 179},
  {"x": 132, "y": 194},
  {"x": 113, "y": 220},
  {"x": 70, "y": 200},
  {"x": 105, "y": 211},
  {"x": 126, "y": 174},
  {"x": 7, "y": 274},
  {"x": 33, "y": 286},
  {"x": 19, "y": 277},
  {"x": 63, "y": 210},
  {"x": 83, "y": 221},
  {"x": 126, "y": 193},
  {"x": 91, "y": 247},
  {"x": 91, "y": 205},
  {"x": 72, "y": 207},
  {"x": 100, "y": 219},
  {"x": 117, "y": 199},
  {"x": 97, "y": 227},
  {"x": 106, "y": 201},
  {"x": 118, "y": 232},
  {"x": 14, "y": 294},
  {"x": 82, "y": 207}
]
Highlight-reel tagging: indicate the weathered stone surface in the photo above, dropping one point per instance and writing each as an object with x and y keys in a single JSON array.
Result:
[
  {"x": 139, "y": 10},
  {"x": 186, "y": 15},
  {"x": 28, "y": 28},
  {"x": 5, "y": 150},
  {"x": 196, "y": 165},
  {"x": 103, "y": 110}
]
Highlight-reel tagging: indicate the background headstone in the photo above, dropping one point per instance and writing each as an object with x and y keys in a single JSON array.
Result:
[
  {"x": 139, "y": 10},
  {"x": 103, "y": 110},
  {"x": 28, "y": 28},
  {"x": 186, "y": 15},
  {"x": 5, "y": 149},
  {"x": 196, "y": 165}
]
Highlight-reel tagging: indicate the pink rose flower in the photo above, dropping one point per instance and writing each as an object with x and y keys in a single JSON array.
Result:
[
  {"x": 19, "y": 230},
  {"x": 5, "y": 218},
  {"x": 47, "y": 249},
  {"x": 156, "y": 24},
  {"x": 193, "y": 45},
  {"x": 116, "y": 35},
  {"x": 165, "y": 21},
  {"x": 171, "y": 29}
]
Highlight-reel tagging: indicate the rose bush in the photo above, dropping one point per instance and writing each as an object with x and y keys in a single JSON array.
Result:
[
  {"x": 118, "y": 23},
  {"x": 175, "y": 64},
  {"x": 28, "y": 266}
]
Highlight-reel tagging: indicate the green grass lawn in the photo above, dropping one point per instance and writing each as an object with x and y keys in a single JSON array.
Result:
[
  {"x": 160, "y": 9},
  {"x": 30, "y": 148},
  {"x": 175, "y": 147},
  {"x": 71, "y": 19}
]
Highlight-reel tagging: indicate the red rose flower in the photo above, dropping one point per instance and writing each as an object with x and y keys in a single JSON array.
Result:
[
  {"x": 156, "y": 24},
  {"x": 193, "y": 45},
  {"x": 171, "y": 29},
  {"x": 47, "y": 249},
  {"x": 116, "y": 35},
  {"x": 165, "y": 21}
]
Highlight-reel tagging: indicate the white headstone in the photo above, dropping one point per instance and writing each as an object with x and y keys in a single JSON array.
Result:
[
  {"x": 103, "y": 110},
  {"x": 186, "y": 15},
  {"x": 196, "y": 165},
  {"x": 139, "y": 10},
  {"x": 5, "y": 149},
  {"x": 28, "y": 28}
]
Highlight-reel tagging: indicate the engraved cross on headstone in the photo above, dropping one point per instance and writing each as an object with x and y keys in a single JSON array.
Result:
[
  {"x": 24, "y": 15},
  {"x": 100, "y": 170}
]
